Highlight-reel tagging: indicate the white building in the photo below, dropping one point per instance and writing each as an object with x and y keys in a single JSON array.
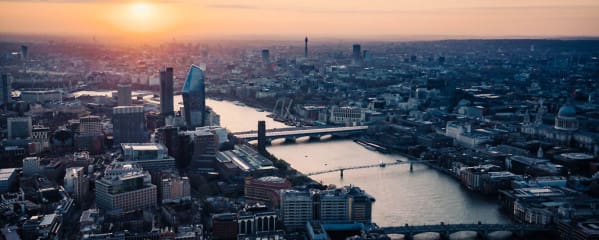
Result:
[
  {"x": 130, "y": 190},
  {"x": 76, "y": 183},
  {"x": 347, "y": 115},
  {"x": 296, "y": 208}
]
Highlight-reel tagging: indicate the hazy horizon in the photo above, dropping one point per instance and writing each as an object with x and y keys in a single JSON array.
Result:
[{"x": 163, "y": 20}]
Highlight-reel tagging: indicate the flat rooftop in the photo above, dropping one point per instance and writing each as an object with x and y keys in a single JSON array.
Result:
[{"x": 5, "y": 173}]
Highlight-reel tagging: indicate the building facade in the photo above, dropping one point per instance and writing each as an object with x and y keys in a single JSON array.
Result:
[
  {"x": 166, "y": 92},
  {"x": 125, "y": 188},
  {"x": 194, "y": 98},
  {"x": 128, "y": 124}
]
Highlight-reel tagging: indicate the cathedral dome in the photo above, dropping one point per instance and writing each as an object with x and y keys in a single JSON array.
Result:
[
  {"x": 566, "y": 118},
  {"x": 567, "y": 110}
]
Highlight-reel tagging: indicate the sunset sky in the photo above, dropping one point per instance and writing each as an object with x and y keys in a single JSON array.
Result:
[{"x": 292, "y": 18}]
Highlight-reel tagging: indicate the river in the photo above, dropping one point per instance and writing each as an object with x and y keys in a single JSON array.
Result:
[{"x": 424, "y": 196}]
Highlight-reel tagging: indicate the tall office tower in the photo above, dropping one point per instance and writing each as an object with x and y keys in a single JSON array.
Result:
[
  {"x": 306, "y": 47},
  {"x": 5, "y": 91},
  {"x": 265, "y": 56},
  {"x": 296, "y": 208},
  {"x": 153, "y": 157},
  {"x": 128, "y": 124},
  {"x": 262, "y": 136},
  {"x": 194, "y": 98},
  {"x": 357, "y": 53},
  {"x": 24, "y": 52},
  {"x": 90, "y": 125},
  {"x": 124, "y": 95},
  {"x": 166, "y": 92},
  {"x": 19, "y": 127},
  {"x": 76, "y": 183},
  {"x": 125, "y": 187}
]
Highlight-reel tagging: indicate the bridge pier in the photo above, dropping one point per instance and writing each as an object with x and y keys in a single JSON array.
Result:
[
  {"x": 411, "y": 167},
  {"x": 341, "y": 173},
  {"x": 315, "y": 138}
]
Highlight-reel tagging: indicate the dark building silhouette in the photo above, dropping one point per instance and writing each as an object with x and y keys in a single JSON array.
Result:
[
  {"x": 24, "y": 52},
  {"x": 265, "y": 56},
  {"x": 306, "y": 47},
  {"x": 128, "y": 124},
  {"x": 262, "y": 136},
  {"x": 357, "y": 53},
  {"x": 5, "y": 91},
  {"x": 124, "y": 95},
  {"x": 194, "y": 98},
  {"x": 166, "y": 92}
]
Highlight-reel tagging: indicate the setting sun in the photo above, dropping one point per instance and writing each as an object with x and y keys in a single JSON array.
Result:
[{"x": 141, "y": 11}]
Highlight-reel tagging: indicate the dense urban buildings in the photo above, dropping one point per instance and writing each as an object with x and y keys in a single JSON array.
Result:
[{"x": 433, "y": 126}]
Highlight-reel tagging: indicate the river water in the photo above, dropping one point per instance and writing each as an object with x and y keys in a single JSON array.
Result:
[{"x": 424, "y": 196}]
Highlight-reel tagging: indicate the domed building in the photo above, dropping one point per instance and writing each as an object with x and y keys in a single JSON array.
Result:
[
  {"x": 565, "y": 130},
  {"x": 566, "y": 118}
]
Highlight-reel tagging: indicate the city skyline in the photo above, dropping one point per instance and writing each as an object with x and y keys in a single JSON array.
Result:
[{"x": 150, "y": 20}]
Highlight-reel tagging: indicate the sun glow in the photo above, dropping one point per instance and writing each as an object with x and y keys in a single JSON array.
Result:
[
  {"x": 141, "y": 11},
  {"x": 142, "y": 17}
]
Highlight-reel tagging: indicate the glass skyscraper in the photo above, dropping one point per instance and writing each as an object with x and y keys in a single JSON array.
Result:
[{"x": 194, "y": 98}]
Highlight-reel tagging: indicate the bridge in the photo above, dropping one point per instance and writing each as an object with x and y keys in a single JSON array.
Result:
[
  {"x": 381, "y": 165},
  {"x": 297, "y": 132},
  {"x": 482, "y": 229}
]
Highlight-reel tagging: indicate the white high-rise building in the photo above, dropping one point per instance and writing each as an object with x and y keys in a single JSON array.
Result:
[
  {"x": 296, "y": 208},
  {"x": 76, "y": 183},
  {"x": 130, "y": 190}
]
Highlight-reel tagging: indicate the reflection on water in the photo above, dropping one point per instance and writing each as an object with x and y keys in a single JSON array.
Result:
[{"x": 423, "y": 196}]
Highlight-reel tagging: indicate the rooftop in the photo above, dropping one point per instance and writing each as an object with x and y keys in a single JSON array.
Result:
[
  {"x": 5, "y": 173},
  {"x": 272, "y": 179}
]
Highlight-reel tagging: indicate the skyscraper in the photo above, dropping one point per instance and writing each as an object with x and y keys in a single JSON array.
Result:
[
  {"x": 128, "y": 124},
  {"x": 4, "y": 90},
  {"x": 356, "y": 53},
  {"x": 166, "y": 92},
  {"x": 194, "y": 98},
  {"x": 306, "y": 47},
  {"x": 265, "y": 56},
  {"x": 124, "y": 95},
  {"x": 24, "y": 52}
]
